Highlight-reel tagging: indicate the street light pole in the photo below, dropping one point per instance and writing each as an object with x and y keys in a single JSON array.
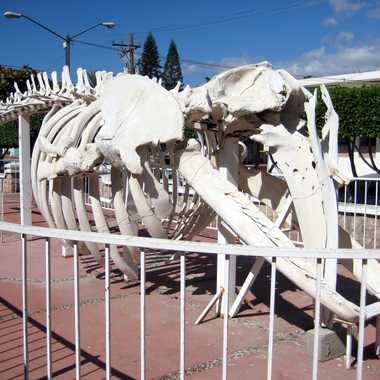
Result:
[
  {"x": 67, "y": 47},
  {"x": 66, "y": 40}
]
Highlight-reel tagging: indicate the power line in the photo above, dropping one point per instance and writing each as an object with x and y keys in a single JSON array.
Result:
[
  {"x": 206, "y": 64},
  {"x": 236, "y": 16},
  {"x": 190, "y": 61},
  {"x": 98, "y": 45}
]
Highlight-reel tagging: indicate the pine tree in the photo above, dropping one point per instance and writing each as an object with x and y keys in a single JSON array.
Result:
[
  {"x": 149, "y": 63},
  {"x": 172, "y": 69}
]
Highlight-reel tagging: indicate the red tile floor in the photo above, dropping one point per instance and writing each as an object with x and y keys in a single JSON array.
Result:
[{"x": 248, "y": 332}]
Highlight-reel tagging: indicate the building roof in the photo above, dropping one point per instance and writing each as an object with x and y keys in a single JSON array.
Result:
[{"x": 357, "y": 79}]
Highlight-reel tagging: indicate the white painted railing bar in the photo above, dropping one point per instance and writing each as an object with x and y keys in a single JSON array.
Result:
[
  {"x": 271, "y": 317},
  {"x": 365, "y": 212},
  {"x": 349, "y": 346},
  {"x": 182, "y": 317},
  {"x": 190, "y": 246},
  {"x": 25, "y": 317},
  {"x": 355, "y": 200},
  {"x": 317, "y": 317},
  {"x": 225, "y": 320},
  {"x": 185, "y": 247},
  {"x": 107, "y": 295},
  {"x": 373, "y": 179},
  {"x": 77, "y": 312},
  {"x": 48, "y": 307},
  {"x": 376, "y": 204},
  {"x": 345, "y": 207},
  {"x": 142, "y": 315},
  {"x": 377, "y": 343},
  {"x": 363, "y": 292}
]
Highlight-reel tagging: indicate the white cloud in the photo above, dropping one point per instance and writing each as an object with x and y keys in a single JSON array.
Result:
[
  {"x": 344, "y": 37},
  {"x": 374, "y": 12},
  {"x": 344, "y": 59},
  {"x": 347, "y": 6},
  {"x": 189, "y": 68},
  {"x": 330, "y": 22},
  {"x": 315, "y": 53}
]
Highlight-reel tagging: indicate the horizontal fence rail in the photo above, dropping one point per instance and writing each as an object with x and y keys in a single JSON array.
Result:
[
  {"x": 182, "y": 247},
  {"x": 190, "y": 246}
]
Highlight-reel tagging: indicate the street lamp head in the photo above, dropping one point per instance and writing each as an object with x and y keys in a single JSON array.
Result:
[
  {"x": 108, "y": 24},
  {"x": 12, "y": 15}
]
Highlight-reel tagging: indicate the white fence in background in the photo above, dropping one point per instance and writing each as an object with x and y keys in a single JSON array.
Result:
[
  {"x": 105, "y": 191},
  {"x": 359, "y": 210},
  {"x": 9, "y": 184},
  {"x": 182, "y": 247}
]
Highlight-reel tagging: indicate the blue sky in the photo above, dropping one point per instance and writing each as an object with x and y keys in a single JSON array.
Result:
[{"x": 313, "y": 37}]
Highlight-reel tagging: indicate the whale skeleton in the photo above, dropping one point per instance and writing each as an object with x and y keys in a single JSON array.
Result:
[{"x": 136, "y": 127}]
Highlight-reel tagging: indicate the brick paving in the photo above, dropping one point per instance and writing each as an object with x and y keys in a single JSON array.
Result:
[{"x": 248, "y": 336}]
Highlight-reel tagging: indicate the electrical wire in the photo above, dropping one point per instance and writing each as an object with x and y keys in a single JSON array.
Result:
[
  {"x": 100, "y": 46},
  {"x": 235, "y": 17},
  {"x": 190, "y": 61}
]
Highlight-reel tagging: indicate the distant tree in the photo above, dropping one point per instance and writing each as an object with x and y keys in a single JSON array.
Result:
[
  {"x": 172, "y": 70},
  {"x": 10, "y": 75},
  {"x": 8, "y": 138},
  {"x": 149, "y": 63},
  {"x": 359, "y": 116},
  {"x": 92, "y": 78},
  {"x": 9, "y": 131}
]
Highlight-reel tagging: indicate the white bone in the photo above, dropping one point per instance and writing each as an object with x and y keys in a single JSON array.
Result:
[
  {"x": 16, "y": 88},
  {"x": 86, "y": 82},
  {"x": 29, "y": 87},
  {"x": 80, "y": 84},
  {"x": 34, "y": 87},
  {"x": 42, "y": 90},
  {"x": 54, "y": 79},
  {"x": 67, "y": 79},
  {"x": 46, "y": 82}
]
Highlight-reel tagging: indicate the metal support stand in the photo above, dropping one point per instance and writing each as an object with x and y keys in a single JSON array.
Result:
[{"x": 259, "y": 262}]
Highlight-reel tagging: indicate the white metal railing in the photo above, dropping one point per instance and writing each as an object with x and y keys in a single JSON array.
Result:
[
  {"x": 9, "y": 184},
  {"x": 182, "y": 247},
  {"x": 105, "y": 191},
  {"x": 359, "y": 210}
]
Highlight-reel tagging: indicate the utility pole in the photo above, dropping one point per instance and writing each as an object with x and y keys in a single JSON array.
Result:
[{"x": 128, "y": 50}]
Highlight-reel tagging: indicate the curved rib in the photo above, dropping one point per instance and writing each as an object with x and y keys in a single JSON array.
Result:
[
  {"x": 126, "y": 225},
  {"x": 102, "y": 226}
]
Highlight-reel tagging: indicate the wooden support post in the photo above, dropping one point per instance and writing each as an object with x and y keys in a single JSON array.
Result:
[{"x": 25, "y": 175}]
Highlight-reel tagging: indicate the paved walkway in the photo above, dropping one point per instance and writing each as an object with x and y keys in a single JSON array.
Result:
[{"x": 248, "y": 333}]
